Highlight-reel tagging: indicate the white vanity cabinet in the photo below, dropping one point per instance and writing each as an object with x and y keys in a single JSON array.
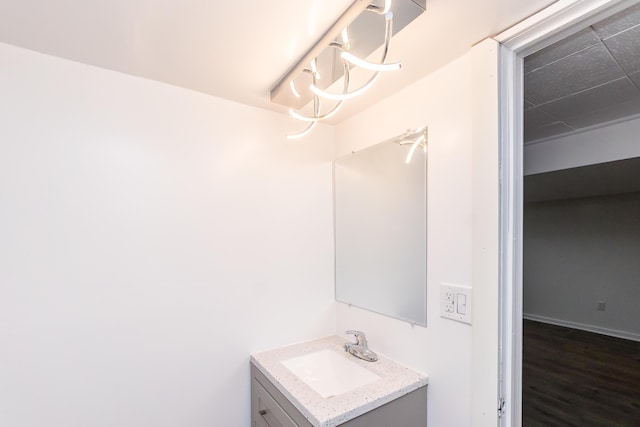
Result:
[{"x": 396, "y": 397}]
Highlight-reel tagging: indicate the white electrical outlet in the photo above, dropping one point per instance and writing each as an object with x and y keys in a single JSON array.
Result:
[{"x": 455, "y": 302}]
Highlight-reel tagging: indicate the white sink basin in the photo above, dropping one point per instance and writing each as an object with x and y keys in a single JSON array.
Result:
[{"x": 329, "y": 373}]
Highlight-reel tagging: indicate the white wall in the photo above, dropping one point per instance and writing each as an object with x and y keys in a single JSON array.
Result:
[
  {"x": 150, "y": 239},
  {"x": 605, "y": 144},
  {"x": 443, "y": 101},
  {"x": 578, "y": 252}
]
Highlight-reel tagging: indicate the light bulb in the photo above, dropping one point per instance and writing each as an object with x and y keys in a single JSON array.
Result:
[
  {"x": 343, "y": 96},
  {"x": 303, "y": 133},
  {"x": 294, "y": 90},
  {"x": 387, "y": 7},
  {"x": 300, "y": 117},
  {"x": 345, "y": 36},
  {"x": 359, "y": 62}
]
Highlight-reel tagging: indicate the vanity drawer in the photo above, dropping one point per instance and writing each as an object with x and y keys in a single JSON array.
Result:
[{"x": 268, "y": 412}]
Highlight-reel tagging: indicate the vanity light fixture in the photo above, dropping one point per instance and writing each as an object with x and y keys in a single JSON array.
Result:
[
  {"x": 354, "y": 36},
  {"x": 378, "y": 68}
]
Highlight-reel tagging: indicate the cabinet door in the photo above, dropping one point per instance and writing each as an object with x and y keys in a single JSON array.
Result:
[{"x": 269, "y": 413}]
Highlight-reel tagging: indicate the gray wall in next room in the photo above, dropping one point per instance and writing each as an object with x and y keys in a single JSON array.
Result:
[{"x": 578, "y": 252}]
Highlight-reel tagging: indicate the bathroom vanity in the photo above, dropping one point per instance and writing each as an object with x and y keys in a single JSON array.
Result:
[{"x": 318, "y": 384}]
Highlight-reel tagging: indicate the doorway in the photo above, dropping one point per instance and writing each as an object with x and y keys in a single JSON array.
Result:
[
  {"x": 561, "y": 21},
  {"x": 581, "y": 327}
]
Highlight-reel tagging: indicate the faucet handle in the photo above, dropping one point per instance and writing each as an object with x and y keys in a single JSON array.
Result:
[{"x": 361, "y": 339}]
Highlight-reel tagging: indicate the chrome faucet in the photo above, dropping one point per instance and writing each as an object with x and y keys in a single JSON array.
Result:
[{"x": 359, "y": 348}]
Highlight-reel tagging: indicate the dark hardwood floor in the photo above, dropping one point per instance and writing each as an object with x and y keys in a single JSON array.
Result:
[{"x": 577, "y": 378}]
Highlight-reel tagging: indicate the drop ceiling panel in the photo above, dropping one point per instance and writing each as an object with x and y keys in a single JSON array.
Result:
[
  {"x": 619, "y": 22},
  {"x": 536, "y": 117},
  {"x": 560, "y": 79},
  {"x": 572, "y": 44},
  {"x": 528, "y": 104},
  {"x": 592, "y": 100},
  {"x": 615, "y": 112},
  {"x": 624, "y": 48},
  {"x": 587, "y": 79},
  {"x": 541, "y": 125}
]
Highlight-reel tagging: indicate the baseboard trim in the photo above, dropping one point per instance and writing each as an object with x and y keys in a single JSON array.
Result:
[{"x": 583, "y": 327}]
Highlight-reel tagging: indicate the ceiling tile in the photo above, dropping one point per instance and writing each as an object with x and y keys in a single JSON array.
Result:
[
  {"x": 534, "y": 121},
  {"x": 535, "y": 118},
  {"x": 572, "y": 44},
  {"x": 615, "y": 112},
  {"x": 553, "y": 129},
  {"x": 635, "y": 78},
  {"x": 582, "y": 81},
  {"x": 593, "y": 100},
  {"x": 582, "y": 70},
  {"x": 624, "y": 48},
  {"x": 528, "y": 104},
  {"x": 619, "y": 22}
]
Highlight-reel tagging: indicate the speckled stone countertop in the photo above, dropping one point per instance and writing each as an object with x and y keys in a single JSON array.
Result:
[{"x": 395, "y": 381}]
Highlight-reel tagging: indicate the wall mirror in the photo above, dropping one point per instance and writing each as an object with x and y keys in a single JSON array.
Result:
[{"x": 380, "y": 202}]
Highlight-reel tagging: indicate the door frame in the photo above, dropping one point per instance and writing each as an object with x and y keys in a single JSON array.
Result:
[{"x": 554, "y": 23}]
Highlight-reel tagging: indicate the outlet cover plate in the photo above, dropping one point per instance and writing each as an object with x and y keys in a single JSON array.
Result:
[{"x": 456, "y": 302}]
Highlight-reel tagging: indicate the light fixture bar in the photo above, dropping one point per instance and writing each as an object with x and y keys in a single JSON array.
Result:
[
  {"x": 317, "y": 60},
  {"x": 345, "y": 19},
  {"x": 316, "y": 114},
  {"x": 349, "y": 95},
  {"x": 357, "y": 21}
]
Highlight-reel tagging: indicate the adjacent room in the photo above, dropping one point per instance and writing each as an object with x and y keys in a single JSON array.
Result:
[{"x": 581, "y": 229}]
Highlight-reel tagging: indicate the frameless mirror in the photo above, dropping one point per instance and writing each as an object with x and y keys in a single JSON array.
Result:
[{"x": 381, "y": 229}]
